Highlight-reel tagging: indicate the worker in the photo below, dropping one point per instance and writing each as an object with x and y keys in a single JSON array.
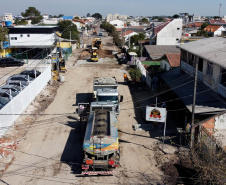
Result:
[{"x": 125, "y": 77}]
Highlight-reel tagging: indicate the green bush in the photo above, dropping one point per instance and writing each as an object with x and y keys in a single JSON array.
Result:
[{"x": 135, "y": 74}]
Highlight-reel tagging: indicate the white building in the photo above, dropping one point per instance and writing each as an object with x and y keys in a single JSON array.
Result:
[
  {"x": 32, "y": 36},
  {"x": 111, "y": 17},
  {"x": 45, "y": 16},
  {"x": 8, "y": 17},
  {"x": 196, "y": 18},
  {"x": 117, "y": 23},
  {"x": 168, "y": 33}
]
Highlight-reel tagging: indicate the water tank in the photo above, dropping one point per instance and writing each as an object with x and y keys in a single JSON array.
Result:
[{"x": 8, "y": 23}]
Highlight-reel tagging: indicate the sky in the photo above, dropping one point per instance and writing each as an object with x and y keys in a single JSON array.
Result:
[{"x": 123, "y": 7}]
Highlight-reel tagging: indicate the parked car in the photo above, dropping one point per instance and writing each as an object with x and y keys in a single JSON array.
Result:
[
  {"x": 32, "y": 73},
  {"x": 13, "y": 88},
  {"x": 18, "y": 83},
  {"x": 10, "y": 61},
  {"x": 24, "y": 78},
  {"x": 7, "y": 94},
  {"x": 4, "y": 101}
]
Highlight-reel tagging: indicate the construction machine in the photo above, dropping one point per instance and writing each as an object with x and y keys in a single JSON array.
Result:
[
  {"x": 96, "y": 42},
  {"x": 94, "y": 55}
]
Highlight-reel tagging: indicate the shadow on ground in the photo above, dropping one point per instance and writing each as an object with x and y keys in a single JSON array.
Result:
[{"x": 73, "y": 150}]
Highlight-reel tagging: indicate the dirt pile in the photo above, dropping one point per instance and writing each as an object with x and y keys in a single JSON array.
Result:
[
  {"x": 105, "y": 54},
  {"x": 84, "y": 55}
]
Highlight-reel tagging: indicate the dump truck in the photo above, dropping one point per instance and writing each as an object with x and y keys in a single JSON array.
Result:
[
  {"x": 96, "y": 42},
  {"x": 101, "y": 145},
  {"x": 106, "y": 89}
]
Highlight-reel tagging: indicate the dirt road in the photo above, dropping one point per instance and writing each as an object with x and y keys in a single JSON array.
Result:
[{"x": 52, "y": 149}]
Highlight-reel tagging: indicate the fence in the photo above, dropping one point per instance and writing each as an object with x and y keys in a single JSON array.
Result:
[
  {"x": 143, "y": 71},
  {"x": 11, "y": 111}
]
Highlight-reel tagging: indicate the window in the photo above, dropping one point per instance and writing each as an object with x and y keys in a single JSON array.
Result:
[
  {"x": 209, "y": 70},
  {"x": 223, "y": 77},
  {"x": 13, "y": 38},
  {"x": 21, "y": 35},
  {"x": 200, "y": 66},
  {"x": 28, "y": 35},
  {"x": 177, "y": 39},
  {"x": 178, "y": 28}
]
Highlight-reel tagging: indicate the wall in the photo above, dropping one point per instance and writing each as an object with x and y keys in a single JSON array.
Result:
[
  {"x": 10, "y": 112},
  {"x": 169, "y": 34},
  {"x": 165, "y": 65},
  {"x": 143, "y": 71},
  {"x": 31, "y": 40}
]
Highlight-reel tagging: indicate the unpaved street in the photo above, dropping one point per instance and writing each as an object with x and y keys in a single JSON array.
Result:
[{"x": 51, "y": 152}]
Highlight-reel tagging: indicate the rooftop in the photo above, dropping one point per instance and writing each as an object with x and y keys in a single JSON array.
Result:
[
  {"x": 156, "y": 52},
  {"x": 174, "y": 59},
  {"x": 211, "y": 49}
]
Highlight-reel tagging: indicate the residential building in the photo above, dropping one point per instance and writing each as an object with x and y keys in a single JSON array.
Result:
[
  {"x": 156, "y": 52},
  {"x": 209, "y": 53},
  {"x": 79, "y": 23},
  {"x": 118, "y": 23},
  {"x": 8, "y": 17},
  {"x": 39, "y": 37},
  {"x": 217, "y": 22},
  {"x": 170, "y": 61},
  {"x": 196, "y": 18},
  {"x": 215, "y": 30},
  {"x": 45, "y": 16},
  {"x": 111, "y": 17},
  {"x": 167, "y": 33}
]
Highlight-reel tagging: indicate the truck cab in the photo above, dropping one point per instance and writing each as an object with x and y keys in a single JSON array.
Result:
[{"x": 109, "y": 95}]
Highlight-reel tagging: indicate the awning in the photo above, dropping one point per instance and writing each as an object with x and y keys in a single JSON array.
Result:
[{"x": 207, "y": 101}]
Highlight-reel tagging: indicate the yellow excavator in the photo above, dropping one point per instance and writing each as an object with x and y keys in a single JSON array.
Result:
[{"x": 96, "y": 42}]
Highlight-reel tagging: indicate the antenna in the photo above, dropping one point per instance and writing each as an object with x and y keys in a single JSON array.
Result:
[{"x": 220, "y": 10}]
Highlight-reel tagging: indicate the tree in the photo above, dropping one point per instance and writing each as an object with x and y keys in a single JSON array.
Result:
[
  {"x": 145, "y": 20},
  {"x": 66, "y": 27},
  {"x": 88, "y": 15},
  {"x": 134, "y": 39},
  {"x": 108, "y": 27},
  {"x": 32, "y": 13},
  {"x": 135, "y": 74},
  {"x": 204, "y": 25},
  {"x": 175, "y": 16},
  {"x": 3, "y": 35},
  {"x": 97, "y": 16},
  {"x": 60, "y": 15},
  {"x": 20, "y": 22}
]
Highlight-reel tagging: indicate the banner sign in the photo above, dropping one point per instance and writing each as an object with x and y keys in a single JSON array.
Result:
[{"x": 155, "y": 114}]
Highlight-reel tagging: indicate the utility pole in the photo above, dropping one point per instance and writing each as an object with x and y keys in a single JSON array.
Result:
[{"x": 193, "y": 106}]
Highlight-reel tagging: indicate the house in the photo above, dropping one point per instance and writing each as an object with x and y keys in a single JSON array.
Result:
[
  {"x": 167, "y": 33},
  {"x": 209, "y": 53},
  {"x": 217, "y": 22},
  {"x": 170, "y": 61},
  {"x": 79, "y": 23},
  {"x": 154, "y": 52},
  {"x": 111, "y": 17},
  {"x": 117, "y": 23},
  {"x": 21, "y": 38},
  {"x": 215, "y": 30}
]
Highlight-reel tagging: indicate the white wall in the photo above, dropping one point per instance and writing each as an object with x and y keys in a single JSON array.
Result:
[
  {"x": 117, "y": 23},
  {"x": 32, "y": 40},
  {"x": 219, "y": 31},
  {"x": 170, "y": 33},
  {"x": 165, "y": 65},
  {"x": 12, "y": 110}
]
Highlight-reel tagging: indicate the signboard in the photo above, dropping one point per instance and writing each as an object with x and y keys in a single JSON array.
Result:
[{"x": 155, "y": 114}]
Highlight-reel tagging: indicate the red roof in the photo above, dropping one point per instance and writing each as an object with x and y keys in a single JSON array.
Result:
[
  {"x": 127, "y": 33},
  {"x": 159, "y": 27},
  {"x": 212, "y": 28},
  {"x": 119, "y": 29},
  {"x": 174, "y": 59},
  {"x": 217, "y": 21},
  {"x": 78, "y": 20}
]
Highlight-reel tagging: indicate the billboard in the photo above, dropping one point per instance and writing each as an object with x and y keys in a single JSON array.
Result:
[{"x": 155, "y": 114}]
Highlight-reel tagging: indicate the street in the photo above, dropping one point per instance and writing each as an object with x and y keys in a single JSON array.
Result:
[{"x": 51, "y": 152}]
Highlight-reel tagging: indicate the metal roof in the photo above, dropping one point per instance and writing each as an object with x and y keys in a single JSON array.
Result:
[
  {"x": 207, "y": 101},
  {"x": 156, "y": 52},
  {"x": 211, "y": 49}
]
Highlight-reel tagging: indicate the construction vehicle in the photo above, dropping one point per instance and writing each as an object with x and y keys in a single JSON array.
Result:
[
  {"x": 100, "y": 146},
  {"x": 96, "y": 42},
  {"x": 94, "y": 55},
  {"x": 105, "y": 89}
]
